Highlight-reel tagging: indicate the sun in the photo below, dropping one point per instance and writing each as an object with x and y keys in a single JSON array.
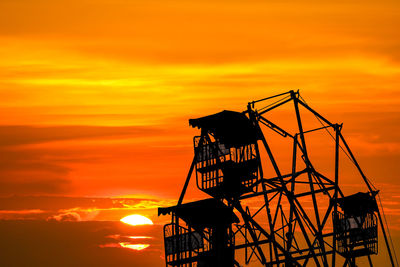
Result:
[{"x": 136, "y": 219}]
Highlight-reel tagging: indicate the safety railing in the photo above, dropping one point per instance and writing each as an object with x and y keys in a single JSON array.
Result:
[
  {"x": 222, "y": 170},
  {"x": 183, "y": 245},
  {"x": 356, "y": 235}
]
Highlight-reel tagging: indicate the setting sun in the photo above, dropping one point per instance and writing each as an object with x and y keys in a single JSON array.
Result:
[
  {"x": 136, "y": 219},
  {"x": 134, "y": 246}
]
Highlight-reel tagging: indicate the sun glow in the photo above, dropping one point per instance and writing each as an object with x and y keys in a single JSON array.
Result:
[
  {"x": 134, "y": 246},
  {"x": 136, "y": 219}
]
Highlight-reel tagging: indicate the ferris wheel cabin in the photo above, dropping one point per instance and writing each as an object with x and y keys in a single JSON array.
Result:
[
  {"x": 356, "y": 228},
  {"x": 200, "y": 234},
  {"x": 227, "y": 158}
]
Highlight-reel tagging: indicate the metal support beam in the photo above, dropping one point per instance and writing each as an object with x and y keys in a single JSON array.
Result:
[
  {"x": 307, "y": 160},
  {"x": 189, "y": 173}
]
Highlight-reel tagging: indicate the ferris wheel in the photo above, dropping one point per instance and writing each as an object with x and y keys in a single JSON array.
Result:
[{"x": 265, "y": 210}]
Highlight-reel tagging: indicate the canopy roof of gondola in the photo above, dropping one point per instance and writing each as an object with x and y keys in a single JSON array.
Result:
[
  {"x": 203, "y": 213},
  {"x": 231, "y": 128}
]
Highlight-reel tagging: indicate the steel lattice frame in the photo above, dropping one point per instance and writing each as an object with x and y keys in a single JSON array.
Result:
[{"x": 280, "y": 231}]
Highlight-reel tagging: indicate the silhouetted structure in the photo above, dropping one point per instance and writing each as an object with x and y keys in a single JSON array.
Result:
[
  {"x": 206, "y": 238},
  {"x": 356, "y": 229},
  {"x": 226, "y": 161},
  {"x": 274, "y": 228}
]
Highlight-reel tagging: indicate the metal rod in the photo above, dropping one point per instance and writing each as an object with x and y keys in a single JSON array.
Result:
[
  {"x": 247, "y": 220},
  {"x": 335, "y": 194},
  {"x": 264, "y": 189},
  {"x": 274, "y": 127},
  {"x": 292, "y": 188},
  {"x": 275, "y": 106},
  {"x": 292, "y": 200},
  {"x": 299, "y": 122},
  {"x": 263, "y": 99},
  {"x": 314, "y": 112},
  {"x": 187, "y": 181},
  {"x": 251, "y": 244},
  {"x": 316, "y": 129},
  {"x": 315, "y": 192},
  {"x": 189, "y": 173}
]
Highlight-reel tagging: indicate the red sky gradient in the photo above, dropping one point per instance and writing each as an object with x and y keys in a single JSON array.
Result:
[{"x": 95, "y": 96}]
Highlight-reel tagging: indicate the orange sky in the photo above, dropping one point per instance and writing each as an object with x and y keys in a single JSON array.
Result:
[{"x": 95, "y": 96}]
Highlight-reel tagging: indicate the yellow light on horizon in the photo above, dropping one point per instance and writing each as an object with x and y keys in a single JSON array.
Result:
[
  {"x": 134, "y": 246},
  {"x": 136, "y": 219}
]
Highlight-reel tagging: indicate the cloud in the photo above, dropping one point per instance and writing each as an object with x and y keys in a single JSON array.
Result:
[
  {"x": 33, "y": 182},
  {"x": 58, "y": 208},
  {"x": 66, "y": 217},
  {"x": 68, "y": 203},
  {"x": 32, "y": 162},
  {"x": 71, "y": 243},
  {"x": 31, "y": 214},
  {"x": 75, "y": 215},
  {"x": 34, "y": 211}
]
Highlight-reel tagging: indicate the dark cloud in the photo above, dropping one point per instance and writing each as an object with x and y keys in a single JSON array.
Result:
[
  {"x": 43, "y": 169},
  {"x": 37, "y": 159},
  {"x": 32, "y": 243},
  {"x": 35, "y": 171},
  {"x": 29, "y": 183},
  {"x": 41, "y": 243},
  {"x": 66, "y": 217}
]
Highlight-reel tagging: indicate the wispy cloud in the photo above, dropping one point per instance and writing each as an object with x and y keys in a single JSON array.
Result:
[{"x": 58, "y": 208}]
